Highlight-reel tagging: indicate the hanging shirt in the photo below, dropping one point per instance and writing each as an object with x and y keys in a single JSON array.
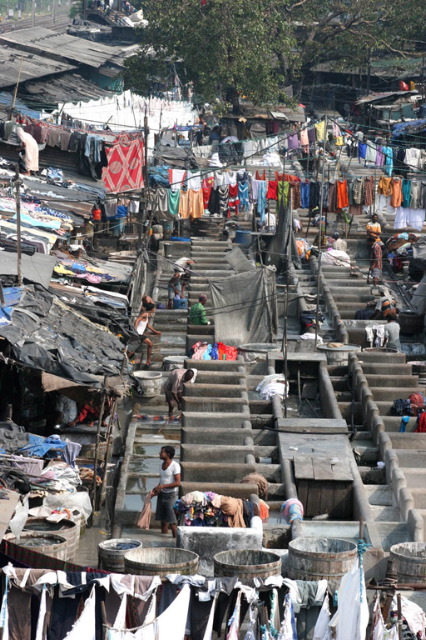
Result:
[
  {"x": 406, "y": 193},
  {"x": 413, "y": 158},
  {"x": 194, "y": 180},
  {"x": 416, "y": 195},
  {"x": 362, "y": 150},
  {"x": 243, "y": 193},
  {"x": 370, "y": 153},
  {"x": 272, "y": 193},
  {"x": 388, "y": 153},
  {"x": 174, "y": 197},
  {"x": 369, "y": 191},
  {"x": 304, "y": 194},
  {"x": 380, "y": 158},
  {"x": 320, "y": 131},
  {"x": 396, "y": 197},
  {"x": 342, "y": 194},
  {"x": 384, "y": 187}
]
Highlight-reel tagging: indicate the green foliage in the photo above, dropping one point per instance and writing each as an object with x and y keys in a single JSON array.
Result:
[{"x": 253, "y": 48}]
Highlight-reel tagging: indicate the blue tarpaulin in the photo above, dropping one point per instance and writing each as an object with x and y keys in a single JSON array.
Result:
[
  {"x": 12, "y": 296},
  {"x": 405, "y": 127}
]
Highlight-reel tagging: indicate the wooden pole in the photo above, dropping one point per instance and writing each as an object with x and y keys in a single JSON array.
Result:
[
  {"x": 18, "y": 183},
  {"x": 98, "y": 441},
  {"x": 398, "y": 599},
  {"x": 320, "y": 235}
]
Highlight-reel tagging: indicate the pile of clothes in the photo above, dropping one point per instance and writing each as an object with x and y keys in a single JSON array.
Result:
[
  {"x": 216, "y": 351},
  {"x": 198, "y": 509},
  {"x": 410, "y": 406},
  {"x": 273, "y": 385}
]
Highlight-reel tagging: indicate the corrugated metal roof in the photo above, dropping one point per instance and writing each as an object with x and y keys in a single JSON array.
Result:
[
  {"x": 68, "y": 88},
  {"x": 65, "y": 47},
  {"x": 28, "y": 66}
]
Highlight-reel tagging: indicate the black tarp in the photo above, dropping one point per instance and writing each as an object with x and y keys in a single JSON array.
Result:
[
  {"x": 47, "y": 335},
  {"x": 245, "y": 307},
  {"x": 36, "y": 268},
  {"x": 282, "y": 248}
]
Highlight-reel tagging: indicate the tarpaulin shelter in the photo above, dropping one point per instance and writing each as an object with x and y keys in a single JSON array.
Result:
[
  {"x": 245, "y": 307},
  {"x": 47, "y": 335}
]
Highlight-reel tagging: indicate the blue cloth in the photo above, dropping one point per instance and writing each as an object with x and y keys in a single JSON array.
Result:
[
  {"x": 243, "y": 194},
  {"x": 261, "y": 200},
  {"x": 403, "y": 425},
  {"x": 43, "y": 224},
  {"x": 12, "y": 296},
  {"x": 305, "y": 188},
  {"x": 39, "y": 446},
  {"x": 406, "y": 193},
  {"x": 362, "y": 149},
  {"x": 388, "y": 153}
]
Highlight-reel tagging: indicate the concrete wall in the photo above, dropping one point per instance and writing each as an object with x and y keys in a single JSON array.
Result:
[{"x": 208, "y": 541}]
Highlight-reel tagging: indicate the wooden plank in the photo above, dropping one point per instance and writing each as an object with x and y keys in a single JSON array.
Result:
[
  {"x": 303, "y": 468},
  {"x": 302, "y": 491},
  {"x": 314, "y": 499},
  {"x": 327, "y": 497},
  {"x": 343, "y": 505},
  {"x": 323, "y": 469}
]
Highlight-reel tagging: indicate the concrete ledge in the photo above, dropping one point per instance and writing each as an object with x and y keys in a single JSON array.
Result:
[
  {"x": 197, "y": 436},
  {"x": 234, "y": 490},
  {"x": 212, "y": 471},
  {"x": 214, "y": 453}
]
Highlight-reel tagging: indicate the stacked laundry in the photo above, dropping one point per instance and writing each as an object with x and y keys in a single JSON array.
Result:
[{"x": 198, "y": 509}]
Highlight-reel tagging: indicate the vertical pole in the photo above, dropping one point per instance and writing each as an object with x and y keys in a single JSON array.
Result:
[
  {"x": 398, "y": 599},
  {"x": 53, "y": 12},
  {"x": 285, "y": 327},
  {"x": 98, "y": 441},
  {"x": 2, "y": 300},
  {"x": 320, "y": 235},
  {"x": 18, "y": 224},
  {"x": 33, "y": 13}
]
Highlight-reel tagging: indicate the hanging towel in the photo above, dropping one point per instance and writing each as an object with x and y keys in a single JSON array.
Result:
[{"x": 144, "y": 519}]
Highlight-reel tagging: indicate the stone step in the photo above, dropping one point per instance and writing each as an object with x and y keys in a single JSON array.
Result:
[
  {"x": 411, "y": 458},
  {"x": 215, "y": 472},
  {"x": 218, "y": 453},
  {"x": 219, "y": 377},
  {"x": 416, "y": 441},
  {"x": 384, "y": 513},
  {"x": 415, "y": 477},
  {"x": 223, "y": 420},
  {"x": 212, "y": 404},
  {"x": 388, "y": 381},
  {"x": 225, "y": 366},
  {"x": 379, "y": 494},
  {"x": 390, "y": 394},
  {"x": 208, "y": 437},
  {"x": 215, "y": 390},
  {"x": 392, "y": 533},
  {"x": 383, "y": 369},
  {"x": 383, "y": 356},
  {"x": 419, "y": 496}
]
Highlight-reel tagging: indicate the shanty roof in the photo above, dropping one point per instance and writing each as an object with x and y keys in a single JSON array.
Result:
[
  {"x": 47, "y": 335},
  {"x": 65, "y": 47},
  {"x": 26, "y": 66},
  {"x": 384, "y": 95},
  {"x": 70, "y": 87},
  {"x": 37, "y": 268}
]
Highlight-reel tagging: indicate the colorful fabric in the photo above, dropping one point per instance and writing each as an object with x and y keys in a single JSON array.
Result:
[{"x": 124, "y": 170}]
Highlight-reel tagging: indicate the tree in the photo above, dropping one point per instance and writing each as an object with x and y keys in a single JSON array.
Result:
[{"x": 253, "y": 48}]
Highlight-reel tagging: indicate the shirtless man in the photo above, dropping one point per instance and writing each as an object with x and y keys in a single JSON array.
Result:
[{"x": 142, "y": 325}]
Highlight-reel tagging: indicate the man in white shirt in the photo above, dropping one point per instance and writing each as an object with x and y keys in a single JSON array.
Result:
[
  {"x": 168, "y": 490},
  {"x": 182, "y": 265}
]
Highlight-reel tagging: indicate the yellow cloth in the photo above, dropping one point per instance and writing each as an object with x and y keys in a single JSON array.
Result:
[
  {"x": 62, "y": 271},
  {"x": 320, "y": 131}
]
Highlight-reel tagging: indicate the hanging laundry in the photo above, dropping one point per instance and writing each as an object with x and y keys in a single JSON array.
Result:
[
  {"x": 342, "y": 194},
  {"x": 288, "y": 626},
  {"x": 176, "y": 178},
  {"x": 184, "y": 204},
  {"x": 396, "y": 196},
  {"x": 388, "y": 153},
  {"x": 196, "y": 203},
  {"x": 261, "y": 200},
  {"x": 304, "y": 195},
  {"x": 406, "y": 193},
  {"x": 370, "y": 153},
  {"x": 320, "y": 132},
  {"x": 322, "y": 630},
  {"x": 304, "y": 140},
  {"x": 233, "y": 201},
  {"x": 272, "y": 193},
  {"x": 351, "y": 618},
  {"x": 174, "y": 199},
  {"x": 243, "y": 194},
  {"x": 369, "y": 191}
]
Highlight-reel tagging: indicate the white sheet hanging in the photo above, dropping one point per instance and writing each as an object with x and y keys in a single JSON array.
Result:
[
  {"x": 351, "y": 617},
  {"x": 322, "y": 630},
  {"x": 85, "y": 627}
]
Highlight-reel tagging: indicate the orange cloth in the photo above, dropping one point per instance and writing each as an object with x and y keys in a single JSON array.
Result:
[
  {"x": 264, "y": 510},
  {"x": 144, "y": 519},
  {"x": 196, "y": 203},
  {"x": 184, "y": 204},
  {"x": 342, "y": 194},
  {"x": 396, "y": 197},
  {"x": 384, "y": 187},
  {"x": 233, "y": 508}
]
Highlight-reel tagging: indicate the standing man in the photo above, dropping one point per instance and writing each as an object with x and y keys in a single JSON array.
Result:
[
  {"x": 376, "y": 260},
  {"x": 142, "y": 325},
  {"x": 183, "y": 266},
  {"x": 373, "y": 228},
  {"x": 168, "y": 490},
  {"x": 197, "y": 313},
  {"x": 173, "y": 388},
  {"x": 174, "y": 288}
]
